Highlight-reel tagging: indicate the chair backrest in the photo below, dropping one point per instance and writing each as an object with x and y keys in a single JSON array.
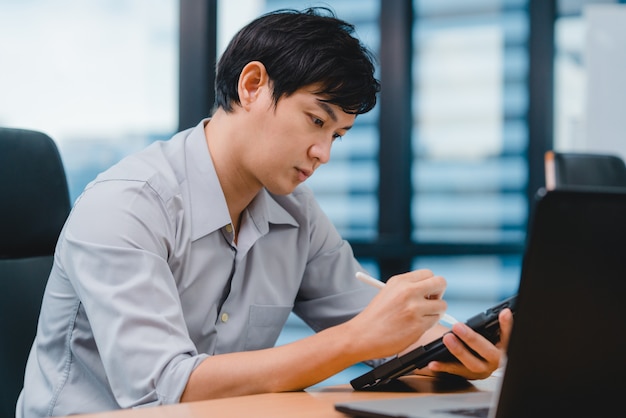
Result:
[
  {"x": 586, "y": 170},
  {"x": 35, "y": 204}
]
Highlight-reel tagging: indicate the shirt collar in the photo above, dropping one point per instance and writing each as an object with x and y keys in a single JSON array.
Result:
[
  {"x": 209, "y": 211},
  {"x": 265, "y": 210}
]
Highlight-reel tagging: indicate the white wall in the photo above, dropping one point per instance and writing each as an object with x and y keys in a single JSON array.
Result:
[{"x": 605, "y": 63}]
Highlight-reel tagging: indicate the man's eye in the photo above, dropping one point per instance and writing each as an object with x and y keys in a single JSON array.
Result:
[
  {"x": 337, "y": 137},
  {"x": 318, "y": 122}
]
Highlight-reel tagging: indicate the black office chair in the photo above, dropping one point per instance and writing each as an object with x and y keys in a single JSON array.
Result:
[
  {"x": 583, "y": 170},
  {"x": 35, "y": 204}
]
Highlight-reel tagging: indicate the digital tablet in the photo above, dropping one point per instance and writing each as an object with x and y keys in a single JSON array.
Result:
[{"x": 485, "y": 323}]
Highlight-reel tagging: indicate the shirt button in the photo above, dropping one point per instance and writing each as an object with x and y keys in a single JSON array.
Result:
[
  {"x": 224, "y": 317},
  {"x": 229, "y": 228}
]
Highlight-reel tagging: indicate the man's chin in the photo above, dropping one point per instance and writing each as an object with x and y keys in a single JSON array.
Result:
[{"x": 282, "y": 190}]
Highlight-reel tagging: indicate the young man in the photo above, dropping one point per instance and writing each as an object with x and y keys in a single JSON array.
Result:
[{"x": 178, "y": 267}]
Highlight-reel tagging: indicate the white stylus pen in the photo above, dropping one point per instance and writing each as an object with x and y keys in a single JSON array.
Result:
[{"x": 377, "y": 283}]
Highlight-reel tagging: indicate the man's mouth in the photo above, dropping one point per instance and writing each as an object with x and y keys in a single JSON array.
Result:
[{"x": 304, "y": 174}]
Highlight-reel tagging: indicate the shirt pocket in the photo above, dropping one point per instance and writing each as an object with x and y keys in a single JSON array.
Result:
[{"x": 264, "y": 325}]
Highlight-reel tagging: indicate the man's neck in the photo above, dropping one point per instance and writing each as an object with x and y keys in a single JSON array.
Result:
[{"x": 237, "y": 187}]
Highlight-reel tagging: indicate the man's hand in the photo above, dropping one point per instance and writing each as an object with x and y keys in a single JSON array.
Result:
[
  {"x": 408, "y": 305},
  {"x": 470, "y": 366}
]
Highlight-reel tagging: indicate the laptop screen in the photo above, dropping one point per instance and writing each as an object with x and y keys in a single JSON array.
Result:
[{"x": 567, "y": 354}]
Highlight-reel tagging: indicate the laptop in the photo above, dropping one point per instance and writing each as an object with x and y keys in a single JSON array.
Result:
[{"x": 567, "y": 352}]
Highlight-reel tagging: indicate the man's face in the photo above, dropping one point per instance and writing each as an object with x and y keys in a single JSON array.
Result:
[{"x": 294, "y": 138}]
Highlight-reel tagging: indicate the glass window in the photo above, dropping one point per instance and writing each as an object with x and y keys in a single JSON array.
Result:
[
  {"x": 470, "y": 102},
  {"x": 470, "y": 167},
  {"x": 99, "y": 77}
]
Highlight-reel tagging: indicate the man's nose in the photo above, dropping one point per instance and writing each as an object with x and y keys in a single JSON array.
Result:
[{"x": 321, "y": 151}]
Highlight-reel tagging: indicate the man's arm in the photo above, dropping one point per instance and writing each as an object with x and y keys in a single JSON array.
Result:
[{"x": 404, "y": 309}]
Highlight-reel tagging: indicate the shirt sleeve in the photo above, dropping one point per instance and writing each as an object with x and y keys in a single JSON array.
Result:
[
  {"x": 115, "y": 252},
  {"x": 329, "y": 294}
]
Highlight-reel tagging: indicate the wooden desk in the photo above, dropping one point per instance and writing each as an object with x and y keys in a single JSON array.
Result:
[{"x": 315, "y": 402}]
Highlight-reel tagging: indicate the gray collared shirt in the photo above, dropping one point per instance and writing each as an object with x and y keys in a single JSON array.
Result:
[{"x": 147, "y": 281}]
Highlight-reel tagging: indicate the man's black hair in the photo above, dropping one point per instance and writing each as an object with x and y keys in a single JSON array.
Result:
[{"x": 298, "y": 49}]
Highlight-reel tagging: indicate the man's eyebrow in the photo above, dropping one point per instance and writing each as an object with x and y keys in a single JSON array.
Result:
[{"x": 329, "y": 110}]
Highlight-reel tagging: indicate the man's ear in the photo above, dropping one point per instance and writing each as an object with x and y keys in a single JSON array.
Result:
[{"x": 252, "y": 80}]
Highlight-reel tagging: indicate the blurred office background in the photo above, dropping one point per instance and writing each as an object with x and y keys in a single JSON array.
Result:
[{"x": 440, "y": 175}]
